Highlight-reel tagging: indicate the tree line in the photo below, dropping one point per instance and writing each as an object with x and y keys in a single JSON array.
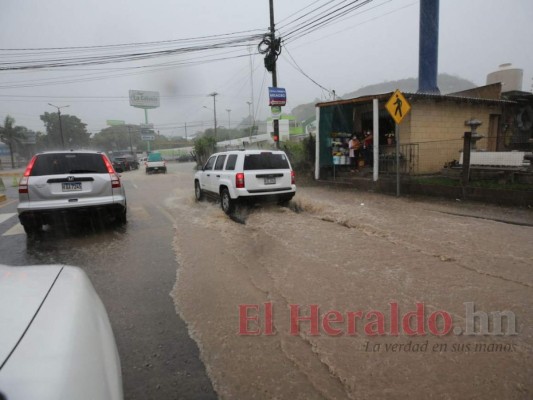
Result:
[{"x": 22, "y": 143}]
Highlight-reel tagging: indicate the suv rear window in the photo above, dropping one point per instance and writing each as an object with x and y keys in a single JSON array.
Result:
[
  {"x": 68, "y": 163},
  {"x": 265, "y": 160}
]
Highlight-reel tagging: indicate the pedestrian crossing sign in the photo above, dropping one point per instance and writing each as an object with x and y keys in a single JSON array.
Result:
[{"x": 397, "y": 106}]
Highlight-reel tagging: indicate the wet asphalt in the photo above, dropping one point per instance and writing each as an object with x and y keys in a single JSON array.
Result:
[{"x": 133, "y": 269}]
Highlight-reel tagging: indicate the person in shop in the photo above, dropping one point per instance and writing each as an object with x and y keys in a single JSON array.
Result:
[
  {"x": 368, "y": 152},
  {"x": 354, "y": 146}
]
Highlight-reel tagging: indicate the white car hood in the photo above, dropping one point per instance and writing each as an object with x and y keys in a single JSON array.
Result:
[
  {"x": 22, "y": 291},
  {"x": 56, "y": 341}
]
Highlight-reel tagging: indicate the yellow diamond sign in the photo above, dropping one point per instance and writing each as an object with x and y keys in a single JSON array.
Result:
[{"x": 397, "y": 106}]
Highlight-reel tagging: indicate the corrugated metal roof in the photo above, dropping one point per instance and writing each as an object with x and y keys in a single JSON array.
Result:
[{"x": 414, "y": 97}]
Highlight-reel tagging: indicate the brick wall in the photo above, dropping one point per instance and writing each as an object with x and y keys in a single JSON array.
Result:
[{"x": 438, "y": 127}]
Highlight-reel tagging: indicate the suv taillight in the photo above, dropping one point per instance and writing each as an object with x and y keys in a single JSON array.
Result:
[
  {"x": 23, "y": 183},
  {"x": 115, "y": 180},
  {"x": 293, "y": 178},
  {"x": 239, "y": 180}
]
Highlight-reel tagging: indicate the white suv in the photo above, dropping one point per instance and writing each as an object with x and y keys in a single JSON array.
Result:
[{"x": 246, "y": 174}]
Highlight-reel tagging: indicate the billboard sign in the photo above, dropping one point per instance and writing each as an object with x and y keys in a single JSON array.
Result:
[
  {"x": 277, "y": 96},
  {"x": 144, "y": 99},
  {"x": 115, "y": 122},
  {"x": 30, "y": 137}
]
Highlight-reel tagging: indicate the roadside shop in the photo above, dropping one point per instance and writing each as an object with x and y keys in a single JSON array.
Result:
[{"x": 430, "y": 135}]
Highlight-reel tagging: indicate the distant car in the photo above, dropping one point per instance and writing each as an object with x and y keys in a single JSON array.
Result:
[
  {"x": 120, "y": 165},
  {"x": 56, "y": 342},
  {"x": 126, "y": 163},
  {"x": 251, "y": 175},
  {"x": 59, "y": 184},
  {"x": 155, "y": 163},
  {"x": 185, "y": 158}
]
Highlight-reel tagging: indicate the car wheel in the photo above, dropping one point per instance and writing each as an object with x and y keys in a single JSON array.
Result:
[
  {"x": 198, "y": 194},
  {"x": 31, "y": 228},
  {"x": 121, "y": 217},
  {"x": 284, "y": 201},
  {"x": 227, "y": 204}
]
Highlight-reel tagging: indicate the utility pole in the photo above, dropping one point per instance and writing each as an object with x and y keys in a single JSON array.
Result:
[
  {"x": 251, "y": 102},
  {"x": 131, "y": 144},
  {"x": 60, "y": 125},
  {"x": 274, "y": 68},
  {"x": 250, "y": 117},
  {"x": 229, "y": 123},
  {"x": 214, "y": 95},
  {"x": 186, "y": 132}
]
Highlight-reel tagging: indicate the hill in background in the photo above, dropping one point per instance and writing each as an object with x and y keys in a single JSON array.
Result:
[{"x": 447, "y": 84}]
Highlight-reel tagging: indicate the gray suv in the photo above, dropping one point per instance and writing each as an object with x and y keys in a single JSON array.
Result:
[{"x": 66, "y": 183}]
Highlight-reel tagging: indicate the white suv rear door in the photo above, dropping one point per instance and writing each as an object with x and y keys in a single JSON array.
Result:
[{"x": 267, "y": 172}]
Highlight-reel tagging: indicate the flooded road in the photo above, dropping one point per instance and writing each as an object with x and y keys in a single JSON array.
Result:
[
  {"x": 133, "y": 269},
  {"x": 356, "y": 258},
  {"x": 345, "y": 295}
]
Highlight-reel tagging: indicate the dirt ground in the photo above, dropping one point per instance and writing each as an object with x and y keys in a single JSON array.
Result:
[{"x": 352, "y": 254}]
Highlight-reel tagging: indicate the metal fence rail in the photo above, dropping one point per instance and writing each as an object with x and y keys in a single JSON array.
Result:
[{"x": 409, "y": 159}]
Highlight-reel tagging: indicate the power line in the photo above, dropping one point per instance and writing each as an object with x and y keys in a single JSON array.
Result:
[
  {"x": 48, "y": 63},
  {"x": 359, "y": 24},
  {"x": 281, "y": 25},
  {"x": 326, "y": 19},
  {"x": 118, "y": 75},
  {"x": 299, "y": 69},
  {"x": 136, "y": 44}
]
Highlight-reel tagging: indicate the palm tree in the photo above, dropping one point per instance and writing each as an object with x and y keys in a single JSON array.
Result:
[{"x": 11, "y": 135}]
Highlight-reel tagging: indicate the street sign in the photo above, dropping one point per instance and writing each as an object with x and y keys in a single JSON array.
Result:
[
  {"x": 30, "y": 138},
  {"x": 148, "y": 138},
  {"x": 397, "y": 106},
  {"x": 276, "y": 112},
  {"x": 277, "y": 96},
  {"x": 147, "y": 126}
]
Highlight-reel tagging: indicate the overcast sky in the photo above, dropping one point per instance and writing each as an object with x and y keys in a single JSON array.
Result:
[{"x": 376, "y": 43}]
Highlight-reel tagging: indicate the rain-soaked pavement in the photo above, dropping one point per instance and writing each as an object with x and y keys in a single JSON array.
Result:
[
  {"x": 133, "y": 270},
  {"x": 357, "y": 262}
]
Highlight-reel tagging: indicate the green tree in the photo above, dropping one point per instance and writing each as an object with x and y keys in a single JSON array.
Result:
[
  {"x": 12, "y": 136},
  {"x": 75, "y": 132},
  {"x": 117, "y": 138},
  {"x": 203, "y": 148}
]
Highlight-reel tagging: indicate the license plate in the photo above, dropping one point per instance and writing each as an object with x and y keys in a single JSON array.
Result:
[
  {"x": 71, "y": 186},
  {"x": 270, "y": 181}
]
